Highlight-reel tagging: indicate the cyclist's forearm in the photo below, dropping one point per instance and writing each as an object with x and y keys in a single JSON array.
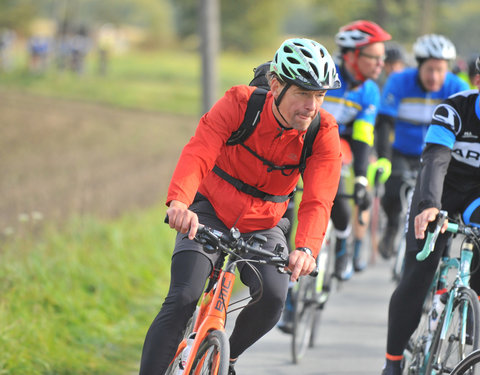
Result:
[
  {"x": 435, "y": 161},
  {"x": 384, "y": 126},
  {"x": 361, "y": 155}
]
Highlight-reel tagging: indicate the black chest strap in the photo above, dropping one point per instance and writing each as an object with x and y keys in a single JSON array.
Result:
[{"x": 249, "y": 189}]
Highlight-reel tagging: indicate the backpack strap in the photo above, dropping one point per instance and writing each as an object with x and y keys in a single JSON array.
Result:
[
  {"x": 251, "y": 119},
  {"x": 308, "y": 143},
  {"x": 249, "y": 189}
]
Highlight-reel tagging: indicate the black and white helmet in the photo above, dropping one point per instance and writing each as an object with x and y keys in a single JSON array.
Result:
[{"x": 434, "y": 46}]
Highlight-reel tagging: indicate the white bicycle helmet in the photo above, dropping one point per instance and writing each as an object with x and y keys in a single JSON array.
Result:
[
  {"x": 305, "y": 63},
  {"x": 477, "y": 64},
  {"x": 433, "y": 46}
]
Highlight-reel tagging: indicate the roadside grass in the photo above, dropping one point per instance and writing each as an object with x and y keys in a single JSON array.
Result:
[
  {"x": 166, "y": 81},
  {"x": 79, "y": 300}
]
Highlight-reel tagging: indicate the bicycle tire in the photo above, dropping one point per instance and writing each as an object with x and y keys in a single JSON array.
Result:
[
  {"x": 470, "y": 365},
  {"x": 322, "y": 293},
  {"x": 445, "y": 354},
  {"x": 397, "y": 269},
  {"x": 213, "y": 355},
  {"x": 415, "y": 353},
  {"x": 303, "y": 315}
]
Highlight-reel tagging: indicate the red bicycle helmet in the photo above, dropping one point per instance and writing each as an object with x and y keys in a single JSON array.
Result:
[{"x": 360, "y": 33}]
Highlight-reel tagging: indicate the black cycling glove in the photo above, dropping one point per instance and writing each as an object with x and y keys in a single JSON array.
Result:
[{"x": 360, "y": 194}]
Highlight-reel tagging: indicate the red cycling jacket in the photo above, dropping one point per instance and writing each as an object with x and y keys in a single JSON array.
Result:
[{"x": 276, "y": 144}]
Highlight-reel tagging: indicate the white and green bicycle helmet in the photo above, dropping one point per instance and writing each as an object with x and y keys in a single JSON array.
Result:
[{"x": 305, "y": 63}]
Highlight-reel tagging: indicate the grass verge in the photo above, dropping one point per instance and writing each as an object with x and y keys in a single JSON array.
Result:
[{"x": 79, "y": 300}]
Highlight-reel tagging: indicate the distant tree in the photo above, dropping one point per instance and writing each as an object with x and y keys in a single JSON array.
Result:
[{"x": 17, "y": 14}]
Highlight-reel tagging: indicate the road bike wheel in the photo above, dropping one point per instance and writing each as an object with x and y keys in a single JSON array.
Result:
[
  {"x": 470, "y": 365},
  {"x": 303, "y": 314},
  {"x": 397, "y": 268},
  {"x": 213, "y": 355},
  {"x": 322, "y": 288},
  {"x": 462, "y": 336},
  {"x": 419, "y": 342},
  {"x": 175, "y": 364}
]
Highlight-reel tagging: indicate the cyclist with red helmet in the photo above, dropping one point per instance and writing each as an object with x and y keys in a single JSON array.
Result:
[
  {"x": 354, "y": 106},
  {"x": 268, "y": 169}
]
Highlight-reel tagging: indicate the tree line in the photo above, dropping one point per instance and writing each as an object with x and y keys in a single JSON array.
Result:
[{"x": 254, "y": 24}]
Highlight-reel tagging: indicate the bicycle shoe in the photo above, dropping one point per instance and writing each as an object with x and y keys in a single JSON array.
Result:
[
  {"x": 286, "y": 322},
  {"x": 343, "y": 263},
  {"x": 358, "y": 263},
  {"x": 393, "y": 368},
  {"x": 231, "y": 370},
  {"x": 386, "y": 246}
]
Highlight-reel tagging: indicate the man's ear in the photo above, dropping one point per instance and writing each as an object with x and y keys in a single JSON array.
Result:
[{"x": 275, "y": 87}]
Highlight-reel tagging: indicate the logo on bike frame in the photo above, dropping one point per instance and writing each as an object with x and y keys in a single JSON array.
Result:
[{"x": 224, "y": 291}]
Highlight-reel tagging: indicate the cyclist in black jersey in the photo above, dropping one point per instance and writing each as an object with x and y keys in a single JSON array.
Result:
[{"x": 449, "y": 179}]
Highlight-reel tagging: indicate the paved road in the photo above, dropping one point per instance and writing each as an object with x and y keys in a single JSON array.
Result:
[{"x": 353, "y": 333}]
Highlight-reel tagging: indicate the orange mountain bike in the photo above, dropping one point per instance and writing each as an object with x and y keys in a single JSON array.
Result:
[{"x": 205, "y": 348}]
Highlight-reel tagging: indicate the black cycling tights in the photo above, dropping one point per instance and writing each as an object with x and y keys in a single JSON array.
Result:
[{"x": 189, "y": 271}]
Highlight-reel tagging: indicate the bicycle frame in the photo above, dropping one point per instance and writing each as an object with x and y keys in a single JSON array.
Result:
[
  {"x": 461, "y": 280},
  {"x": 213, "y": 309}
]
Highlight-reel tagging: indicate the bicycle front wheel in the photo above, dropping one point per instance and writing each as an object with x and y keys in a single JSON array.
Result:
[
  {"x": 213, "y": 355},
  {"x": 304, "y": 313},
  {"x": 462, "y": 333},
  {"x": 397, "y": 269},
  {"x": 419, "y": 342},
  {"x": 470, "y": 365},
  {"x": 175, "y": 364}
]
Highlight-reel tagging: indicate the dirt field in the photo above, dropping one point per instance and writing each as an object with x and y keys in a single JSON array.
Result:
[{"x": 59, "y": 158}]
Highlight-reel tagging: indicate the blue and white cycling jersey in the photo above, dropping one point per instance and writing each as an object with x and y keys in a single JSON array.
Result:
[
  {"x": 404, "y": 99},
  {"x": 348, "y": 105}
]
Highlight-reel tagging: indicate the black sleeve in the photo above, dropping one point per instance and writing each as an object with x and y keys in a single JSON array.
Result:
[
  {"x": 384, "y": 126},
  {"x": 361, "y": 154},
  {"x": 435, "y": 161}
]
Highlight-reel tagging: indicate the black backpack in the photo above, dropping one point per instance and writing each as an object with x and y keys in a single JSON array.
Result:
[{"x": 246, "y": 128}]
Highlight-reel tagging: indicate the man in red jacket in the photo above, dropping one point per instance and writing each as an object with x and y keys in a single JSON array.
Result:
[{"x": 268, "y": 163}]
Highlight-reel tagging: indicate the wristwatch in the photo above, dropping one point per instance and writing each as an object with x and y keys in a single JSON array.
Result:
[{"x": 305, "y": 250}]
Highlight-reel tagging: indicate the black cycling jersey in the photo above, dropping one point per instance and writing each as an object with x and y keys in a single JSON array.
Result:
[{"x": 453, "y": 147}]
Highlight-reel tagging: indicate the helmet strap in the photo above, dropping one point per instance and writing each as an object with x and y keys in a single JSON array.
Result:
[
  {"x": 358, "y": 75},
  {"x": 279, "y": 99},
  {"x": 282, "y": 93}
]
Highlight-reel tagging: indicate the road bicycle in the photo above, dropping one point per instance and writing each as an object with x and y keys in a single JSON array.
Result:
[
  {"x": 309, "y": 297},
  {"x": 470, "y": 365},
  {"x": 406, "y": 194},
  {"x": 449, "y": 328},
  {"x": 205, "y": 348}
]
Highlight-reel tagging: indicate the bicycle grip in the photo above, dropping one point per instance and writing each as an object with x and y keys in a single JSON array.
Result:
[
  {"x": 433, "y": 230},
  {"x": 422, "y": 255}
]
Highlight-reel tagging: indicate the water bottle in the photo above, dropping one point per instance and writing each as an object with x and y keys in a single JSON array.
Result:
[
  {"x": 437, "y": 307},
  {"x": 185, "y": 353}
]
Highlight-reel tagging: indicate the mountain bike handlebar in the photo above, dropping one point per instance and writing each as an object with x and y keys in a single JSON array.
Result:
[
  {"x": 232, "y": 243},
  {"x": 433, "y": 231},
  {"x": 214, "y": 241}
]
